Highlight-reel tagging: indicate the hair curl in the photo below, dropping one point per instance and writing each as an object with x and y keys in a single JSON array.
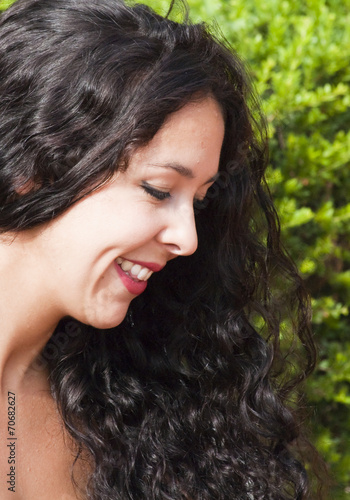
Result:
[{"x": 187, "y": 398}]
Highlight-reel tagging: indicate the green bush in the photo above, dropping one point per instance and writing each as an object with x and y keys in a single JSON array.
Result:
[
  {"x": 5, "y": 3},
  {"x": 299, "y": 55}
]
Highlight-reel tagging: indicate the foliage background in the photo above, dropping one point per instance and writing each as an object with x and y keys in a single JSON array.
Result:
[{"x": 299, "y": 55}]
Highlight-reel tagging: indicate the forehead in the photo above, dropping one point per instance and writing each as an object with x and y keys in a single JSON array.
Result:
[
  {"x": 190, "y": 138},
  {"x": 199, "y": 119}
]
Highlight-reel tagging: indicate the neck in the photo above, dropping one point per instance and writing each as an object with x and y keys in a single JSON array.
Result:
[{"x": 27, "y": 317}]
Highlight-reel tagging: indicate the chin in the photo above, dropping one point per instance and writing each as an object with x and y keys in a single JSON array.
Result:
[
  {"x": 105, "y": 320},
  {"x": 106, "y": 323}
]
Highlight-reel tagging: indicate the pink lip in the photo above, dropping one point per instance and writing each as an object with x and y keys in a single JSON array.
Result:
[{"x": 134, "y": 287}]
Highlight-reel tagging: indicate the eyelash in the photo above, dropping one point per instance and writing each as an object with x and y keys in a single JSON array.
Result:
[
  {"x": 163, "y": 195},
  {"x": 156, "y": 193}
]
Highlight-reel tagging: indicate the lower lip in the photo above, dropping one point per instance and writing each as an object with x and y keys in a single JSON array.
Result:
[{"x": 134, "y": 287}]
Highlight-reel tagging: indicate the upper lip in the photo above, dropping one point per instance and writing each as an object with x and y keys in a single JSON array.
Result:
[{"x": 152, "y": 266}]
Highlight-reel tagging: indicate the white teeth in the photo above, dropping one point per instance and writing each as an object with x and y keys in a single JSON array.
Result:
[
  {"x": 126, "y": 265},
  {"x": 143, "y": 274},
  {"x": 135, "y": 270},
  {"x": 148, "y": 275}
]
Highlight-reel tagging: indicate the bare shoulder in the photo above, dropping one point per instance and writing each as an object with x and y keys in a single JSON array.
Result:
[{"x": 37, "y": 456}]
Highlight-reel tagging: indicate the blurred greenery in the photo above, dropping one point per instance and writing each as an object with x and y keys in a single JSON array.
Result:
[
  {"x": 5, "y": 3},
  {"x": 299, "y": 55}
]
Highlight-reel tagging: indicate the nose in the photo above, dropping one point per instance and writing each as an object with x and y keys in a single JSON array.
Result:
[{"x": 179, "y": 234}]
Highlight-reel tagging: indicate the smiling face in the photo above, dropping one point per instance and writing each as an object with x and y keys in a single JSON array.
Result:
[{"x": 95, "y": 257}]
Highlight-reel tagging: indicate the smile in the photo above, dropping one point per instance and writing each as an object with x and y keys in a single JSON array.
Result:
[
  {"x": 135, "y": 271},
  {"x": 133, "y": 275}
]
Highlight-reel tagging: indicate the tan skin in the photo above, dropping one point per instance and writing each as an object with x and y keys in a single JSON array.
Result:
[
  {"x": 68, "y": 267},
  {"x": 44, "y": 452}
]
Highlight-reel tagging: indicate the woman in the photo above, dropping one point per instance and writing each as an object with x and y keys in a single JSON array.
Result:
[{"x": 132, "y": 145}]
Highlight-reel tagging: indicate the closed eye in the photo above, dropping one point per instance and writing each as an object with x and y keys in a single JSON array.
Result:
[
  {"x": 163, "y": 195},
  {"x": 155, "y": 193}
]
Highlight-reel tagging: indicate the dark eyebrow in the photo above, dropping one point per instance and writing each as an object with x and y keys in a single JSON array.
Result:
[{"x": 182, "y": 170}]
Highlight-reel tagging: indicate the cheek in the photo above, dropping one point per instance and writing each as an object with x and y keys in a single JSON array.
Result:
[
  {"x": 99, "y": 230},
  {"x": 139, "y": 223}
]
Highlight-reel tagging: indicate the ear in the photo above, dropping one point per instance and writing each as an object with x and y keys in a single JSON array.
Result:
[{"x": 23, "y": 186}]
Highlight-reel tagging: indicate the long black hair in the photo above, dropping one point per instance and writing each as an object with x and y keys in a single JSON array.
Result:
[{"x": 194, "y": 395}]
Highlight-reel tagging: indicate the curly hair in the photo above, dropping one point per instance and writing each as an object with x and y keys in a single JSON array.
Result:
[{"x": 195, "y": 394}]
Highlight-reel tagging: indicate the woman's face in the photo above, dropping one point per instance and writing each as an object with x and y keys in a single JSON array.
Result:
[{"x": 97, "y": 256}]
